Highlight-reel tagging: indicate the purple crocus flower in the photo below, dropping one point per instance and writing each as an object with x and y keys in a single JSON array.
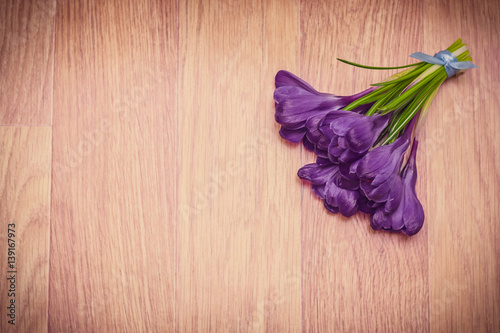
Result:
[
  {"x": 313, "y": 133},
  {"x": 324, "y": 179},
  {"x": 341, "y": 200},
  {"x": 299, "y": 107},
  {"x": 348, "y": 135},
  {"x": 367, "y": 206},
  {"x": 348, "y": 170},
  {"x": 378, "y": 171},
  {"x": 409, "y": 215}
]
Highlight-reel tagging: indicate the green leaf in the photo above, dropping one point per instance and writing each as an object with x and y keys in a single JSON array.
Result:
[{"x": 376, "y": 67}]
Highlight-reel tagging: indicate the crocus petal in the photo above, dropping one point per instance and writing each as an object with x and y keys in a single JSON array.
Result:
[
  {"x": 380, "y": 163},
  {"x": 348, "y": 170},
  {"x": 323, "y": 154},
  {"x": 294, "y": 106},
  {"x": 390, "y": 190},
  {"x": 413, "y": 218},
  {"x": 392, "y": 164},
  {"x": 342, "y": 142},
  {"x": 308, "y": 144},
  {"x": 348, "y": 156},
  {"x": 299, "y": 106},
  {"x": 345, "y": 200},
  {"x": 389, "y": 221},
  {"x": 362, "y": 109},
  {"x": 292, "y": 135},
  {"x": 325, "y": 124},
  {"x": 367, "y": 206},
  {"x": 414, "y": 213},
  {"x": 365, "y": 132},
  {"x": 317, "y": 174},
  {"x": 313, "y": 134},
  {"x": 376, "y": 193},
  {"x": 342, "y": 182},
  {"x": 323, "y": 143},
  {"x": 343, "y": 121},
  {"x": 408, "y": 216},
  {"x": 351, "y": 134},
  {"x": 285, "y": 78},
  {"x": 319, "y": 190},
  {"x": 330, "y": 208},
  {"x": 320, "y": 160},
  {"x": 381, "y": 220},
  {"x": 373, "y": 161},
  {"x": 395, "y": 196},
  {"x": 379, "y": 174},
  {"x": 334, "y": 148}
]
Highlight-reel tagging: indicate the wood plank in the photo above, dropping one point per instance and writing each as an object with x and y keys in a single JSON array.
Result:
[
  {"x": 25, "y": 157},
  {"x": 113, "y": 202},
  {"x": 26, "y": 61},
  {"x": 355, "y": 279},
  {"x": 238, "y": 232},
  {"x": 463, "y": 131}
]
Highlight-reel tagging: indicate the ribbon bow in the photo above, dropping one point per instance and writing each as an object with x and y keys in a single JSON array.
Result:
[{"x": 446, "y": 59}]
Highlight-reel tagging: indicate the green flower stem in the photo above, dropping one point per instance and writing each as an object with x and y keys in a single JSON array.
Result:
[
  {"x": 368, "y": 98},
  {"x": 427, "y": 73},
  {"x": 400, "y": 122},
  {"x": 455, "y": 44},
  {"x": 387, "y": 97},
  {"x": 407, "y": 92},
  {"x": 406, "y": 96},
  {"x": 461, "y": 50},
  {"x": 419, "y": 82},
  {"x": 425, "y": 108},
  {"x": 410, "y": 75},
  {"x": 456, "y": 48},
  {"x": 374, "y": 67},
  {"x": 374, "y": 95},
  {"x": 434, "y": 85},
  {"x": 422, "y": 91},
  {"x": 412, "y": 107}
]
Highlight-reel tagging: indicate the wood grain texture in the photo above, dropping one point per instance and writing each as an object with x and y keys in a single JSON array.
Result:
[
  {"x": 355, "y": 279},
  {"x": 113, "y": 203},
  {"x": 463, "y": 136},
  {"x": 238, "y": 230},
  {"x": 174, "y": 203},
  {"x": 25, "y": 158},
  {"x": 26, "y": 61}
]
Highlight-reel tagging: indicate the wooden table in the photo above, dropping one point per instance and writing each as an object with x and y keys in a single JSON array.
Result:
[{"x": 150, "y": 191}]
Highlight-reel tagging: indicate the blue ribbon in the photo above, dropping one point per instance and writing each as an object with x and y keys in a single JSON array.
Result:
[{"x": 446, "y": 59}]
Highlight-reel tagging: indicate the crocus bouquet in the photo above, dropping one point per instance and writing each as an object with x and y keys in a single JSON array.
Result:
[{"x": 365, "y": 144}]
